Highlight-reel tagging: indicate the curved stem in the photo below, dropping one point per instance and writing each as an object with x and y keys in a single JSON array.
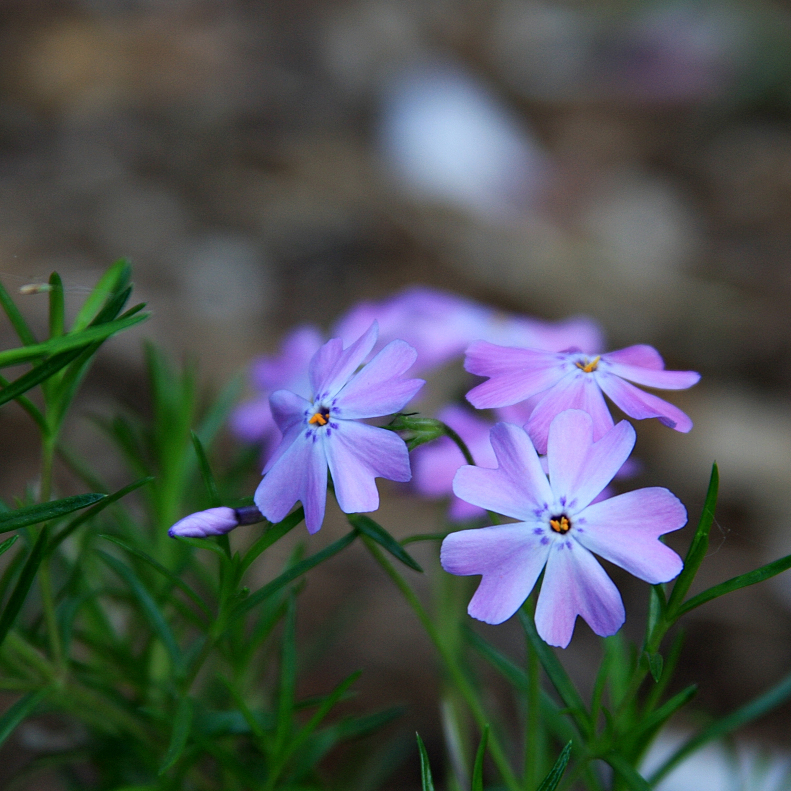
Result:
[
  {"x": 461, "y": 444},
  {"x": 451, "y": 665}
]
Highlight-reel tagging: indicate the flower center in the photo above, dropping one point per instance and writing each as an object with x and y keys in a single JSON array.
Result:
[
  {"x": 322, "y": 417},
  {"x": 591, "y": 366},
  {"x": 560, "y": 524}
]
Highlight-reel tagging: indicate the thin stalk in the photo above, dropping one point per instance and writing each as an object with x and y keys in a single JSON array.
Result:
[
  {"x": 462, "y": 445},
  {"x": 451, "y": 665},
  {"x": 533, "y": 736}
]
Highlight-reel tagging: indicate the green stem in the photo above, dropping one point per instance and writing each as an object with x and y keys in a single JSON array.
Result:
[
  {"x": 462, "y": 445},
  {"x": 451, "y": 665},
  {"x": 533, "y": 735}
]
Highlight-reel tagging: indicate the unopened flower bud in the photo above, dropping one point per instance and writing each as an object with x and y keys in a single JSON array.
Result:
[{"x": 215, "y": 521}]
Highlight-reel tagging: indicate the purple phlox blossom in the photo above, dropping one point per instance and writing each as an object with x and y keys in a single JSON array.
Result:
[
  {"x": 288, "y": 369},
  {"x": 327, "y": 431},
  {"x": 435, "y": 464},
  {"x": 441, "y": 325},
  {"x": 575, "y": 380},
  {"x": 215, "y": 521},
  {"x": 559, "y": 528}
]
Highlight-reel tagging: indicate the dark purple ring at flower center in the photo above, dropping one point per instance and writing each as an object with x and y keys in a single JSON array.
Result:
[
  {"x": 560, "y": 524},
  {"x": 322, "y": 417}
]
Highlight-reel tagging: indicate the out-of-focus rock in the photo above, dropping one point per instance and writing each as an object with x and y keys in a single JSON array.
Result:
[{"x": 447, "y": 138}]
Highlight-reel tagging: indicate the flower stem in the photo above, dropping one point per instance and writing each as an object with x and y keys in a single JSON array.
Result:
[
  {"x": 451, "y": 665},
  {"x": 461, "y": 444}
]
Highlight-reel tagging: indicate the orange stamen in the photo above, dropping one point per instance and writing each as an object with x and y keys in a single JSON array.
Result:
[
  {"x": 561, "y": 525},
  {"x": 591, "y": 366},
  {"x": 318, "y": 418}
]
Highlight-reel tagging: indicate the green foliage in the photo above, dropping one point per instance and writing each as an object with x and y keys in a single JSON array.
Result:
[{"x": 161, "y": 651}]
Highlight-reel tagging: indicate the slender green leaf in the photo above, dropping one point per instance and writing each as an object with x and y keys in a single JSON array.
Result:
[
  {"x": 15, "y": 317},
  {"x": 114, "y": 280},
  {"x": 650, "y": 724},
  {"x": 324, "y": 709},
  {"x": 512, "y": 672},
  {"x": 627, "y": 772},
  {"x": 8, "y": 543},
  {"x": 149, "y": 607},
  {"x": 270, "y": 535},
  {"x": 757, "y": 707},
  {"x": 57, "y": 308},
  {"x": 367, "y": 526},
  {"x": 477, "y": 769},
  {"x": 697, "y": 549},
  {"x": 551, "y": 781},
  {"x": 202, "y": 543},
  {"x": 96, "y": 509},
  {"x": 291, "y": 574},
  {"x": 21, "y": 709},
  {"x": 288, "y": 679},
  {"x": 557, "y": 675},
  {"x": 217, "y": 415},
  {"x": 40, "y": 373},
  {"x": 655, "y": 663},
  {"x": 206, "y": 473},
  {"x": 33, "y": 411},
  {"x": 156, "y": 565},
  {"x": 425, "y": 767},
  {"x": 422, "y": 537},
  {"x": 43, "y": 512},
  {"x": 67, "y": 343},
  {"x": 742, "y": 581},
  {"x": 26, "y": 577},
  {"x": 182, "y": 723}
]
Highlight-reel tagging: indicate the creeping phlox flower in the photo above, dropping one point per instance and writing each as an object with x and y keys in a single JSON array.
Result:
[
  {"x": 575, "y": 380},
  {"x": 252, "y": 421},
  {"x": 440, "y": 325},
  {"x": 559, "y": 527},
  {"x": 327, "y": 431}
]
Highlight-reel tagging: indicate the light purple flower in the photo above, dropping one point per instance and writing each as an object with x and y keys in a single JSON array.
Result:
[
  {"x": 559, "y": 527},
  {"x": 435, "y": 464},
  {"x": 215, "y": 521},
  {"x": 327, "y": 431},
  {"x": 441, "y": 325},
  {"x": 252, "y": 422},
  {"x": 575, "y": 380}
]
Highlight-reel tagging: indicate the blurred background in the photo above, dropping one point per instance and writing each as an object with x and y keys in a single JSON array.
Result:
[{"x": 265, "y": 164}]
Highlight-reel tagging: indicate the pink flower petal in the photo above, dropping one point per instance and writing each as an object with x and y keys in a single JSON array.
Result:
[
  {"x": 579, "y": 469},
  {"x": 641, "y": 356},
  {"x": 510, "y": 558},
  {"x": 300, "y": 473},
  {"x": 358, "y": 453},
  {"x": 288, "y": 408},
  {"x": 516, "y": 374},
  {"x": 625, "y": 530},
  {"x": 649, "y": 377},
  {"x": 577, "y": 391},
  {"x": 640, "y": 405},
  {"x": 331, "y": 370},
  {"x": 575, "y": 584},
  {"x": 378, "y": 388},
  {"x": 517, "y": 487}
]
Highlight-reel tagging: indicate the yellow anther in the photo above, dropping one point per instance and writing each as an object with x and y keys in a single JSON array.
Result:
[
  {"x": 318, "y": 418},
  {"x": 591, "y": 366},
  {"x": 561, "y": 525}
]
